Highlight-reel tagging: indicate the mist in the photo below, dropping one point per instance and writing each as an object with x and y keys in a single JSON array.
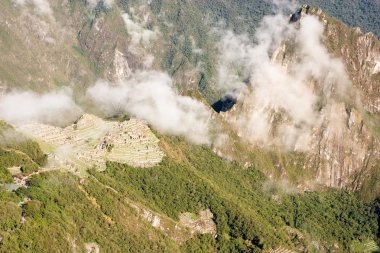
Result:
[
  {"x": 23, "y": 107},
  {"x": 42, "y": 7},
  {"x": 150, "y": 95},
  {"x": 106, "y": 3},
  {"x": 10, "y": 137},
  {"x": 281, "y": 96},
  {"x": 139, "y": 34}
]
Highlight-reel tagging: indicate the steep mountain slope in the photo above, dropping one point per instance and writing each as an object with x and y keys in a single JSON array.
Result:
[
  {"x": 121, "y": 184},
  {"x": 38, "y": 52},
  {"x": 344, "y": 145},
  {"x": 134, "y": 209},
  {"x": 18, "y": 152},
  {"x": 358, "y": 138},
  {"x": 360, "y": 53}
]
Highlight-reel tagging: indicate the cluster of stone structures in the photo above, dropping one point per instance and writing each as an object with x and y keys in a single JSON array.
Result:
[{"x": 92, "y": 141}]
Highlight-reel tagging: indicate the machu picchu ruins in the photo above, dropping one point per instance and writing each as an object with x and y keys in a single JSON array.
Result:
[{"x": 92, "y": 141}]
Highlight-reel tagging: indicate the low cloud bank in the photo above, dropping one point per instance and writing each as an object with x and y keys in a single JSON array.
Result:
[
  {"x": 150, "y": 95},
  {"x": 42, "y": 7},
  {"x": 56, "y": 108}
]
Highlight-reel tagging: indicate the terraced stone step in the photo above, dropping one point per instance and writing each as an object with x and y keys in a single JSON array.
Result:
[{"x": 92, "y": 141}]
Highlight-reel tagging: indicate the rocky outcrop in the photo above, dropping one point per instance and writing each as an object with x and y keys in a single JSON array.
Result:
[
  {"x": 344, "y": 150},
  {"x": 346, "y": 146},
  {"x": 203, "y": 224},
  {"x": 187, "y": 227},
  {"x": 361, "y": 55},
  {"x": 103, "y": 40},
  {"x": 342, "y": 146},
  {"x": 121, "y": 70}
]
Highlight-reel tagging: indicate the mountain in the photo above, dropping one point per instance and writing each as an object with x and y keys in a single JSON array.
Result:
[
  {"x": 363, "y": 14},
  {"x": 344, "y": 146},
  {"x": 188, "y": 126}
]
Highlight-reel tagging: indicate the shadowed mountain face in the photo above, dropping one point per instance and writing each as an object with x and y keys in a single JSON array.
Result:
[
  {"x": 224, "y": 104},
  {"x": 296, "y": 16}
]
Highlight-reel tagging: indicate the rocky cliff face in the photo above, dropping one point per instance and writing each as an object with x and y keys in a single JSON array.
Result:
[
  {"x": 43, "y": 51},
  {"x": 341, "y": 148},
  {"x": 344, "y": 150},
  {"x": 345, "y": 146},
  {"x": 361, "y": 55}
]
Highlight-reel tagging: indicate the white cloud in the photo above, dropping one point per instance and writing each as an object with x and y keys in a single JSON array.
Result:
[
  {"x": 107, "y": 3},
  {"x": 56, "y": 108},
  {"x": 277, "y": 88},
  {"x": 139, "y": 34},
  {"x": 151, "y": 96},
  {"x": 316, "y": 62},
  {"x": 10, "y": 136},
  {"x": 42, "y": 7},
  {"x": 233, "y": 65}
]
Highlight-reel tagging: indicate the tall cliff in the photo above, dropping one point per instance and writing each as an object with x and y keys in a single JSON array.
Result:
[{"x": 340, "y": 148}]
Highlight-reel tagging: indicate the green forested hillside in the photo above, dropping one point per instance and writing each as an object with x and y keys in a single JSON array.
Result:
[
  {"x": 248, "y": 217},
  {"x": 17, "y": 150}
]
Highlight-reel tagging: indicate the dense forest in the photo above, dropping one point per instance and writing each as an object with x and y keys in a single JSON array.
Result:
[{"x": 249, "y": 216}]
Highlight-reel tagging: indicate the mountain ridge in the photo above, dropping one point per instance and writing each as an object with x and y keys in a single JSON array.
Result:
[{"x": 215, "y": 190}]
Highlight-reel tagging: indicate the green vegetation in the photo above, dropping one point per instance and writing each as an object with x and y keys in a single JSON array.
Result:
[
  {"x": 11, "y": 158},
  {"x": 190, "y": 45},
  {"x": 11, "y": 139},
  {"x": 371, "y": 186},
  {"x": 365, "y": 246},
  {"x": 61, "y": 217},
  {"x": 246, "y": 216},
  {"x": 10, "y": 215},
  {"x": 17, "y": 150},
  {"x": 238, "y": 15},
  {"x": 64, "y": 213},
  {"x": 190, "y": 179},
  {"x": 175, "y": 188},
  {"x": 330, "y": 216}
]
